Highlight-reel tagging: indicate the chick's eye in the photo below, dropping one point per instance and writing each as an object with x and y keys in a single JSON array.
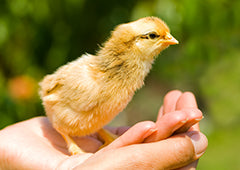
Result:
[{"x": 153, "y": 35}]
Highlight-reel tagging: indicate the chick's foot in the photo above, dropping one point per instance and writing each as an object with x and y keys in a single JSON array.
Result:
[{"x": 107, "y": 137}]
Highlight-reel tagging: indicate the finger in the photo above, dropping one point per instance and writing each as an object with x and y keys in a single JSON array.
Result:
[
  {"x": 193, "y": 116},
  {"x": 170, "y": 100},
  {"x": 186, "y": 100},
  {"x": 195, "y": 127},
  {"x": 180, "y": 146},
  {"x": 200, "y": 142},
  {"x": 160, "y": 113},
  {"x": 169, "y": 123},
  {"x": 117, "y": 130},
  {"x": 175, "y": 122},
  {"x": 162, "y": 155},
  {"x": 136, "y": 134}
]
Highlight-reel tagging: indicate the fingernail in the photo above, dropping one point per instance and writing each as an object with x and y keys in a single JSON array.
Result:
[
  {"x": 149, "y": 132},
  {"x": 184, "y": 121},
  {"x": 198, "y": 119},
  {"x": 199, "y": 141}
]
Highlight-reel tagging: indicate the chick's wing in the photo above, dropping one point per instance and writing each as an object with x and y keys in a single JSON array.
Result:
[{"x": 71, "y": 86}]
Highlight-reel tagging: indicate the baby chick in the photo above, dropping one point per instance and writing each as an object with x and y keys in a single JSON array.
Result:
[{"x": 84, "y": 95}]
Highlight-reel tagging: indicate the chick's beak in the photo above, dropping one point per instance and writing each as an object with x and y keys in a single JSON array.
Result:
[{"x": 170, "y": 40}]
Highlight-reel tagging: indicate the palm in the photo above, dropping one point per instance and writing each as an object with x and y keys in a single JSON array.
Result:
[
  {"x": 48, "y": 139},
  {"x": 40, "y": 141},
  {"x": 54, "y": 141}
]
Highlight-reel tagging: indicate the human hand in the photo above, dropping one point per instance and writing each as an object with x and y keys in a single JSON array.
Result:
[
  {"x": 179, "y": 115},
  {"x": 34, "y": 144},
  {"x": 185, "y": 115},
  {"x": 185, "y": 107}
]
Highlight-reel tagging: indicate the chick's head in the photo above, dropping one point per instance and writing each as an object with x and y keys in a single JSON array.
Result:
[
  {"x": 152, "y": 35},
  {"x": 146, "y": 37}
]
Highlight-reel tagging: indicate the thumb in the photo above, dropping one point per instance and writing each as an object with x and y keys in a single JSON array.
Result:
[
  {"x": 177, "y": 151},
  {"x": 171, "y": 153}
]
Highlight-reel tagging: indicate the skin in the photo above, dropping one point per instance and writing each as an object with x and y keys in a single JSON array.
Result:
[{"x": 34, "y": 144}]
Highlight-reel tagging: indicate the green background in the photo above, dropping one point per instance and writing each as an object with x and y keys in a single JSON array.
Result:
[{"x": 36, "y": 37}]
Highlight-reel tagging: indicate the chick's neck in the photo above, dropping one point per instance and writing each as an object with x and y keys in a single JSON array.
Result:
[{"x": 123, "y": 65}]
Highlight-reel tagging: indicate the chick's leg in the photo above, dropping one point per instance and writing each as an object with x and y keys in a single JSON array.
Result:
[
  {"x": 107, "y": 137},
  {"x": 73, "y": 148}
]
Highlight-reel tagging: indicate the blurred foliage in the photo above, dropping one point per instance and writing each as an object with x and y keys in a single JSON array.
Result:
[{"x": 36, "y": 37}]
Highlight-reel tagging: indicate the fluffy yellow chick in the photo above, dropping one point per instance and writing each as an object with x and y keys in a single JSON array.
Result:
[{"x": 84, "y": 95}]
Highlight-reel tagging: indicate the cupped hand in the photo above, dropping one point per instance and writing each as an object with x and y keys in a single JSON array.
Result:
[
  {"x": 185, "y": 115},
  {"x": 174, "y": 141},
  {"x": 34, "y": 144}
]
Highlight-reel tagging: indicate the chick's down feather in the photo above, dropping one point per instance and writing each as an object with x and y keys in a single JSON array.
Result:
[{"x": 84, "y": 95}]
